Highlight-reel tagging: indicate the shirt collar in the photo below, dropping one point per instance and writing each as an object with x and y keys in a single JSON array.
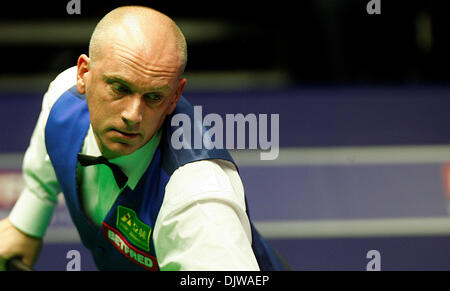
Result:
[{"x": 133, "y": 165}]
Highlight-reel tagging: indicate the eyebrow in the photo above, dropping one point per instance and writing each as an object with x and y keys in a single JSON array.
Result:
[{"x": 110, "y": 79}]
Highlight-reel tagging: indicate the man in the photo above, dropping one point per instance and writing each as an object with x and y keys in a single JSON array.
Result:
[{"x": 103, "y": 139}]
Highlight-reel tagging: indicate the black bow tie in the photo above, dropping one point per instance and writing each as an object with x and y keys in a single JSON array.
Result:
[{"x": 121, "y": 178}]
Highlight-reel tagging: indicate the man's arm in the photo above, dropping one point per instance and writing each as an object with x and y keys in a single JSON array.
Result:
[
  {"x": 21, "y": 233},
  {"x": 15, "y": 243},
  {"x": 202, "y": 223}
]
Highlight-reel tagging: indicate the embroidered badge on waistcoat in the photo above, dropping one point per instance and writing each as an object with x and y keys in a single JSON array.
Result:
[
  {"x": 133, "y": 228},
  {"x": 138, "y": 257}
]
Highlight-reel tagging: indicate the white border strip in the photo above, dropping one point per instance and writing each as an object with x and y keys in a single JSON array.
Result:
[
  {"x": 11, "y": 161},
  {"x": 317, "y": 156},
  {"x": 351, "y": 228},
  {"x": 62, "y": 235},
  {"x": 355, "y": 228},
  {"x": 348, "y": 155}
]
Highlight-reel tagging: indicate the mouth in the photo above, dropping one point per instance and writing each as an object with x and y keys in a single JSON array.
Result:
[{"x": 125, "y": 135}]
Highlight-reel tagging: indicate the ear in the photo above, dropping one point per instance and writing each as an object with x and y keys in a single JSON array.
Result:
[
  {"x": 83, "y": 69},
  {"x": 180, "y": 88}
]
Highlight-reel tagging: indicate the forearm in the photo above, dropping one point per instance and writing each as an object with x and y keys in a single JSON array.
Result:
[
  {"x": 33, "y": 211},
  {"x": 15, "y": 243},
  {"x": 202, "y": 224},
  {"x": 207, "y": 235},
  {"x": 32, "y": 214}
]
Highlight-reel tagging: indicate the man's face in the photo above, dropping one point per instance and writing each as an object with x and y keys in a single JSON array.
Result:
[{"x": 128, "y": 97}]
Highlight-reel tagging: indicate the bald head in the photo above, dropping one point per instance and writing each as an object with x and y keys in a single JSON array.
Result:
[{"x": 144, "y": 29}]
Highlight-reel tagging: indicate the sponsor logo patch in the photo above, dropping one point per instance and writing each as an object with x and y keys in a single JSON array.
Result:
[
  {"x": 138, "y": 257},
  {"x": 137, "y": 232}
]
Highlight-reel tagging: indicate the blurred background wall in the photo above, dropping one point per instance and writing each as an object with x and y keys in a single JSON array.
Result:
[{"x": 363, "y": 102}]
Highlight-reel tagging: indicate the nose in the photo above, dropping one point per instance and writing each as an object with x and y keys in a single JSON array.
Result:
[{"x": 132, "y": 112}]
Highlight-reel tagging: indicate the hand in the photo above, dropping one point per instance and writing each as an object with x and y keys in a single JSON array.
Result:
[{"x": 15, "y": 243}]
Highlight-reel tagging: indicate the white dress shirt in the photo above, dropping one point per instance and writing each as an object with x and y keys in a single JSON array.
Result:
[{"x": 202, "y": 223}]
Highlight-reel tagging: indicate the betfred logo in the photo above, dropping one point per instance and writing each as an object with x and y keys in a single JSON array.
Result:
[{"x": 136, "y": 256}]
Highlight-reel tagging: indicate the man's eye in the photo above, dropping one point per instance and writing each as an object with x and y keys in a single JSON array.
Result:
[
  {"x": 153, "y": 97},
  {"x": 119, "y": 88}
]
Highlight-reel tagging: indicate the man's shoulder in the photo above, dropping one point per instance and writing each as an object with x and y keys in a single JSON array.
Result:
[
  {"x": 206, "y": 166},
  {"x": 69, "y": 73},
  {"x": 205, "y": 180},
  {"x": 63, "y": 81},
  {"x": 203, "y": 176}
]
